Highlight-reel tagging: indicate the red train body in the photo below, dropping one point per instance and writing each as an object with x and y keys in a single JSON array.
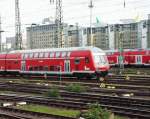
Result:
[
  {"x": 130, "y": 57},
  {"x": 78, "y": 62}
]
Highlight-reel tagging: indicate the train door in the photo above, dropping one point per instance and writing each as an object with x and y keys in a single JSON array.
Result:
[
  {"x": 67, "y": 66},
  {"x": 117, "y": 60},
  {"x": 23, "y": 65},
  {"x": 138, "y": 59}
]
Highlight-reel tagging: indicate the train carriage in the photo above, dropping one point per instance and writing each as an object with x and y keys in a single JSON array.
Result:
[
  {"x": 130, "y": 57},
  {"x": 79, "y": 62}
]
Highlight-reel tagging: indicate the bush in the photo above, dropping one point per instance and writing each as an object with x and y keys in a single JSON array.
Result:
[
  {"x": 96, "y": 112},
  {"x": 53, "y": 92},
  {"x": 76, "y": 88}
]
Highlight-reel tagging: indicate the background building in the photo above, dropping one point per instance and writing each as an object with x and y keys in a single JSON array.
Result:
[
  {"x": 74, "y": 36},
  {"x": 91, "y": 36},
  {"x": 143, "y": 36},
  {"x": 134, "y": 35},
  {"x": 41, "y": 36},
  {"x": 10, "y": 42},
  {"x": 102, "y": 37}
]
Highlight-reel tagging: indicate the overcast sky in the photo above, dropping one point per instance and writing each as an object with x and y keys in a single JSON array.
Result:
[{"x": 74, "y": 11}]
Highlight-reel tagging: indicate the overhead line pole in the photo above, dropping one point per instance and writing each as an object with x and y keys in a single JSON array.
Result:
[
  {"x": 18, "y": 34},
  {"x": 91, "y": 7},
  {"x": 59, "y": 25}
]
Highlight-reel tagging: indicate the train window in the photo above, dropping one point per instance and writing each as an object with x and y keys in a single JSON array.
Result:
[
  {"x": 51, "y": 68},
  {"x": 97, "y": 59},
  {"x": 63, "y": 54},
  {"x": 46, "y": 68},
  {"x": 30, "y": 68},
  {"x": 16, "y": 62},
  {"x": 26, "y": 56},
  {"x": 46, "y": 54},
  {"x": 31, "y": 55},
  {"x": 36, "y": 68},
  {"x": 52, "y": 54},
  {"x": 22, "y": 56},
  {"x": 58, "y": 68},
  {"x": 57, "y": 54},
  {"x": 103, "y": 59},
  {"x": 87, "y": 60},
  {"x": 36, "y": 55},
  {"x": 77, "y": 61},
  {"x": 40, "y": 68},
  {"x": 68, "y": 54},
  {"x": 41, "y": 54}
]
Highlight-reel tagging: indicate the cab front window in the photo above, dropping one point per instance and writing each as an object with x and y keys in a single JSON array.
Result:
[{"x": 100, "y": 59}]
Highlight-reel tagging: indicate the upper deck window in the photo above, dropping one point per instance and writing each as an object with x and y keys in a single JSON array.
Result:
[
  {"x": 68, "y": 54},
  {"x": 23, "y": 56},
  {"x": 31, "y": 55},
  {"x": 52, "y": 54},
  {"x": 26, "y": 56},
  {"x": 63, "y": 54},
  {"x": 36, "y": 55},
  {"x": 41, "y": 54},
  {"x": 57, "y": 54},
  {"x": 46, "y": 54}
]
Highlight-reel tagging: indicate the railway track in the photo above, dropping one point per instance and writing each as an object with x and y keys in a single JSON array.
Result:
[
  {"x": 43, "y": 88},
  {"x": 125, "y": 106},
  {"x": 142, "y": 84},
  {"x": 13, "y": 113},
  {"x": 136, "y": 108},
  {"x": 124, "y": 79}
]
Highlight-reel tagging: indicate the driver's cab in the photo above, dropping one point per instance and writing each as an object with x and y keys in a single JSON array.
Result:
[{"x": 100, "y": 59}]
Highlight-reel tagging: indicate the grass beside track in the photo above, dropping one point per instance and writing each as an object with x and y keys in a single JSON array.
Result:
[
  {"x": 56, "y": 111},
  {"x": 50, "y": 110}
]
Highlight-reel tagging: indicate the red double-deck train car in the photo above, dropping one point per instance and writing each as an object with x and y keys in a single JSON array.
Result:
[
  {"x": 130, "y": 57},
  {"x": 79, "y": 62}
]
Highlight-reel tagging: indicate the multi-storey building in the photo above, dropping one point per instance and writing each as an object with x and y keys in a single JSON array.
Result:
[
  {"x": 102, "y": 37},
  {"x": 129, "y": 38},
  {"x": 73, "y": 36},
  {"x": 127, "y": 35},
  {"x": 89, "y": 34},
  {"x": 10, "y": 41},
  {"x": 143, "y": 34},
  {"x": 41, "y": 36}
]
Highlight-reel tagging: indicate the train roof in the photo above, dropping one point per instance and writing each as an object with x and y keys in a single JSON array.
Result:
[
  {"x": 91, "y": 48},
  {"x": 116, "y": 50}
]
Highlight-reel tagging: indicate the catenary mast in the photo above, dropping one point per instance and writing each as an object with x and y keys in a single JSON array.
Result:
[
  {"x": 59, "y": 25},
  {"x": 18, "y": 34}
]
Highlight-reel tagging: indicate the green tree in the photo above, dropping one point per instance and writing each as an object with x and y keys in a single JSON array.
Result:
[{"x": 96, "y": 112}]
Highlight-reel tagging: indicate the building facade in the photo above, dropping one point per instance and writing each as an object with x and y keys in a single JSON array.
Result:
[
  {"x": 10, "y": 42},
  {"x": 41, "y": 36},
  {"x": 126, "y": 35},
  {"x": 91, "y": 36},
  {"x": 102, "y": 37},
  {"x": 73, "y": 38}
]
